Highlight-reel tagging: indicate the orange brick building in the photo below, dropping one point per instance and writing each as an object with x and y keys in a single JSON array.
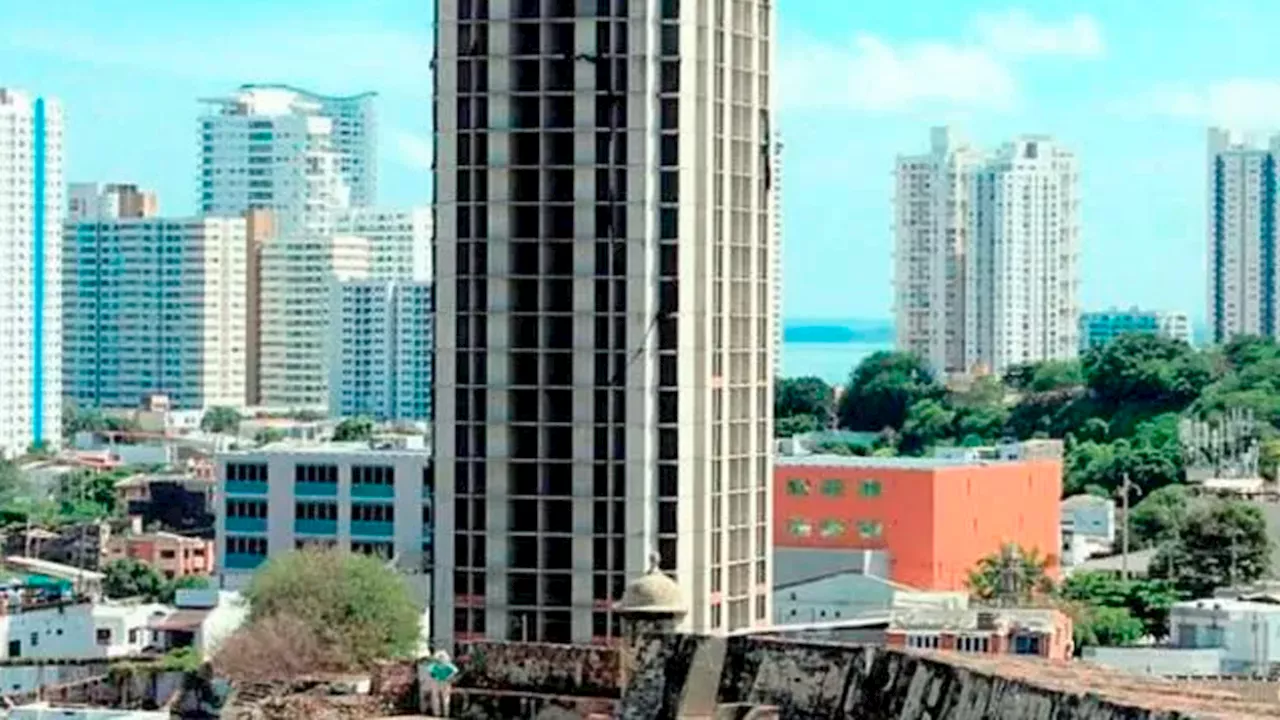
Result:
[
  {"x": 928, "y": 520},
  {"x": 171, "y": 555}
]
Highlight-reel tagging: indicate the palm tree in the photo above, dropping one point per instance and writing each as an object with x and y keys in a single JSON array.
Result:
[{"x": 1011, "y": 576}]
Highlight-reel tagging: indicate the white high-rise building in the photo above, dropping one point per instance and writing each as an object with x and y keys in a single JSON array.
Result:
[
  {"x": 274, "y": 148},
  {"x": 1099, "y": 327},
  {"x": 153, "y": 305},
  {"x": 355, "y": 136},
  {"x": 986, "y": 253},
  {"x": 381, "y": 354},
  {"x": 297, "y": 277},
  {"x": 400, "y": 240},
  {"x": 1243, "y": 277},
  {"x": 605, "y": 322},
  {"x": 31, "y": 210},
  {"x": 92, "y": 201}
]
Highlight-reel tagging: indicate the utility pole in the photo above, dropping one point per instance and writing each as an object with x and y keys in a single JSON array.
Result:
[{"x": 1124, "y": 527}]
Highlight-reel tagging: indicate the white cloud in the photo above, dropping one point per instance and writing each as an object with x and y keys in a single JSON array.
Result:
[
  {"x": 412, "y": 150},
  {"x": 1237, "y": 103},
  {"x": 872, "y": 74},
  {"x": 1017, "y": 33}
]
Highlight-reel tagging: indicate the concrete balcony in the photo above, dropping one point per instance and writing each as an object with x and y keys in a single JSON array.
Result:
[
  {"x": 315, "y": 489},
  {"x": 246, "y": 525},
  {"x": 375, "y": 492},
  {"x": 372, "y": 528},
  {"x": 242, "y": 561},
  {"x": 246, "y": 487},
  {"x": 315, "y": 527}
]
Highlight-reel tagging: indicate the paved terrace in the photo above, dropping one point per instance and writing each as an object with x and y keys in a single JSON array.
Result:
[{"x": 701, "y": 677}]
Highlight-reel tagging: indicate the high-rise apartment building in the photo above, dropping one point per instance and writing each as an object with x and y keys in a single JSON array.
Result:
[
  {"x": 1100, "y": 327},
  {"x": 297, "y": 276},
  {"x": 604, "y": 361},
  {"x": 31, "y": 210},
  {"x": 274, "y": 149},
  {"x": 91, "y": 201},
  {"x": 381, "y": 350},
  {"x": 1243, "y": 277},
  {"x": 152, "y": 306},
  {"x": 400, "y": 240},
  {"x": 355, "y": 136},
  {"x": 986, "y": 253}
]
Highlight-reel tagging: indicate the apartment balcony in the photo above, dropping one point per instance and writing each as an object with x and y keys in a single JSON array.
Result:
[
  {"x": 246, "y": 525},
  {"x": 242, "y": 561},
  {"x": 315, "y": 489},
  {"x": 375, "y": 492},
  {"x": 315, "y": 527},
  {"x": 372, "y": 529},
  {"x": 246, "y": 487}
]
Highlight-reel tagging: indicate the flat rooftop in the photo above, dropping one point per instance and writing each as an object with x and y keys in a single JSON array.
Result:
[{"x": 887, "y": 463}]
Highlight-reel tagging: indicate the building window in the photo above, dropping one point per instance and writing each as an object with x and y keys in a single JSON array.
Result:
[
  {"x": 973, "y": 644},
  {"x": 868, "y": 529},
  {"x": 870, "y": 488},
  {"x": 922, "y": 642},
  {"x": 103, "y": 636},
  {"x": 248, "y": 472},
  {"x": 372, "y": 475},
  {"x": 1026, "y": 645},
  {"x": 801, "y": 528},
  {"x": 831, "y": 528},
  {"x": 833, "y": 487},
  {"x": 796, "y": 486}
]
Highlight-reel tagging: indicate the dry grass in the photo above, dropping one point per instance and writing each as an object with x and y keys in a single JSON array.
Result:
[{"x": 274, "y": 649}]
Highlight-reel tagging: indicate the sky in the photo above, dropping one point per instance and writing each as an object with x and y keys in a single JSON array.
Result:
[{"x": 1130, "y": 90}]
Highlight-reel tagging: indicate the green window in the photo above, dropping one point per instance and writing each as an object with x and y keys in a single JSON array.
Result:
[
  {"x": 796, "y": 486},
  {"x": 833, "y": 487},
  {"x": 869, "y": 529},
  {"x": 870, "y": 488},
  {"x": 831, "y": 528},
  {"x": 800, "y": 527}
]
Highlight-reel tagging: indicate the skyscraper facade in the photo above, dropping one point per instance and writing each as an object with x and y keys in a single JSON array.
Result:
[
  {"x": 153, "y": 305},
  {"x": 1243, "y": 278},
  {"x": 273, "y": 149},
  {"x": 355, "y": 136},
  {"x": 381, "y": 352},
  {"x": 604, "y": 346},
  {"x": 400, "y": 240},
  {"x": 31, "y": 210},
  {"x": 986, "y": 253}
]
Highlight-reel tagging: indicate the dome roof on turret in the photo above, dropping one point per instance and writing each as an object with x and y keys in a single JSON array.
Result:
[{"x": 653, "y": 593}]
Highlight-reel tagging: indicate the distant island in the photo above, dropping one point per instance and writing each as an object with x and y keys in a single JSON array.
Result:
[{"x": 847, "y": 330}]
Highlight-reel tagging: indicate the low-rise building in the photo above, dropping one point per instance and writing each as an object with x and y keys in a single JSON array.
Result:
[
  {"x": 852, "y": 595},
  {"x": 200, "y": 619},
  {"x": 363, "y": 497},
  {"x": 1043, "y": 632},
  {"x": 1244, "y": 630},
  {"x": 181, "y": 502},
  {"x": 1101, "y": 327},
  {"x": 172, "y": 555},
  {"x": 920, "y": 522},
  {"x": 1088, "y": 528}
]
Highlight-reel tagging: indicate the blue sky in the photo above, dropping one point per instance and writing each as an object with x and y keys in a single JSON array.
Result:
[{"x": 859, "y": 81}]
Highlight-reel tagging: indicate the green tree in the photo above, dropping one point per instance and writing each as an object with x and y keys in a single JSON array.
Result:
[
  {"x": 1012, "y": 576},
  {"x": 1146, "y": 600},
  {"x": 928, "y": 421},
  {"x": 793, "y": 425},
  {"x": 1107, "y": 627},
  {"x": 1148, "y": 371},
  {"x": 1045, "y": 376},
  {"x": 354, "y": 603},
  {"x": 268, "y": 435},
  {"x": 802, "y": 396},
  {"x": 1221, "y": 543},
  {"x": 220, "y": 419},
  {"x": 1158, "y": 518},
  {"x": 127, "y": 577},
  {"x": 356, "y": 428},
  {"x": 883, "y": 388},
  {"x": 187, "y": 582}
]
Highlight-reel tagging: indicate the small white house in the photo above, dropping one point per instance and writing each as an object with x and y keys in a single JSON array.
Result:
[
  {"x": 1247, "y": 632},
  {"x": 1088, "y": 527},
  {"x": 78, "y": 630}
]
